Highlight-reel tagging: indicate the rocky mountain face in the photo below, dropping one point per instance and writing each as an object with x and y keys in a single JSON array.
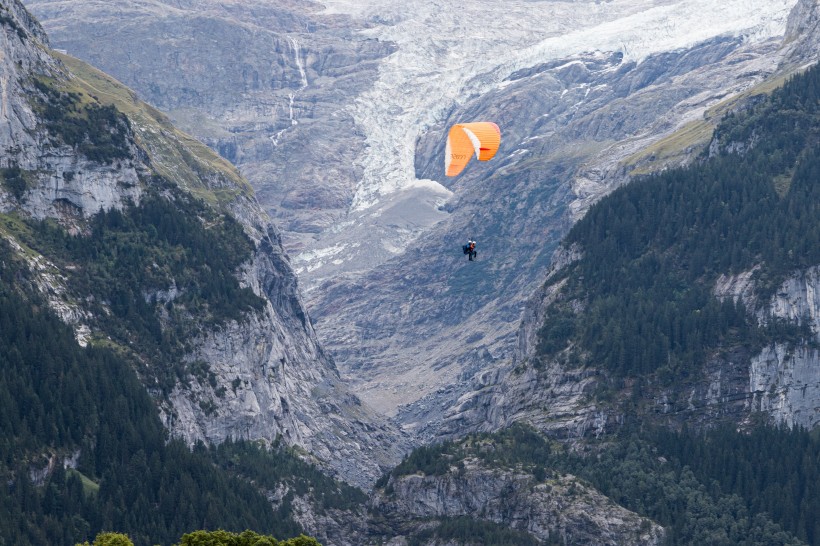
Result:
[
  {"x": 267, "y": 372},
  {"x": 267, "y": 376},
  {"x": 579, "y": 128},
  {"x": 802, "y": 33},
  {"x": 782, "y": 380},
  {"x": 348, "y": 158},
  {"x": 427, "y": 335},
  {"x": 779, "y": 381},
  {"x": 561, "y": 507},
  {"x": 97, "y": 186}
]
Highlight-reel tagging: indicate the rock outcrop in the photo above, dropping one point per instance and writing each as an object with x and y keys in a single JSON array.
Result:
[
  {"x": 561, "y": 507},
  {"x": 63, "y": 177},
  {"x": 802, "y": 32},
  {"x": 784, "y": 379}
]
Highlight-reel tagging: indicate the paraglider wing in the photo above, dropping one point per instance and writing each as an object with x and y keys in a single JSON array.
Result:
[{"x": 481, "y": 138}]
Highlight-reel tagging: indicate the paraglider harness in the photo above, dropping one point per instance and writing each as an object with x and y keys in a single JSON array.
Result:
[{"x": 470, "y": 250}]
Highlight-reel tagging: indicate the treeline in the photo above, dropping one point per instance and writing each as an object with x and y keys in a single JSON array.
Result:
[
  {"x": 653, "y": 249},
  {"x": 62, "y": 402},
  {"x": 210, "y": 538},
  {"x": 516, "y": 446},
  {"x": 269, "y": 468},
  {"x": 632, "y": 473},
  {"x": 775, "y": 470}
]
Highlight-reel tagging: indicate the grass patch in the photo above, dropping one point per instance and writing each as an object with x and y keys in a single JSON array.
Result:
[
  {"x": 782, "y": 184},
  {"x": 695, "y": 133},
  {"x": 658, "y": 154},
  {"x": 15, "y": 230},
  {"x": 12, "y": 225},
  {"x": 90, "y": 487}
]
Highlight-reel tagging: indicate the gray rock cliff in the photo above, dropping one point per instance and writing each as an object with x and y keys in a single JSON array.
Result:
[
  {"x": 561, "y": 506},
  {"x": 784, "y": 380}
]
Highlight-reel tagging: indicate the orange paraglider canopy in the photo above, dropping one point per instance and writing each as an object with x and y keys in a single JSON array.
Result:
[{"x": 481, "y": 138}]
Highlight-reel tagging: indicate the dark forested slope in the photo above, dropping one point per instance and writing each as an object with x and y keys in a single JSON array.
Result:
[
  {"x": 82, "y": 446},
  {"x": 721, "y": 488},
  {"x": 653, "y": 250}
]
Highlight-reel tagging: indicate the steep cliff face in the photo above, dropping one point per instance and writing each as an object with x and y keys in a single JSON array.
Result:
[
  {"x": 780, "y": 380},
  {"x": 53, "y": 179},
  {"x": 267, "y": 370},
  {"x": 802, "y": 31},
  {"x": 560, "y": 506},
  {"x": 784, "y": 378},
  {"x": 62, "y": 176},
  {"x": 550, "y": 395}
]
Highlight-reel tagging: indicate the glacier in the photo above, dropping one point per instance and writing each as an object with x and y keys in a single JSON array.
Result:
[{"x": 450, "y": 52}]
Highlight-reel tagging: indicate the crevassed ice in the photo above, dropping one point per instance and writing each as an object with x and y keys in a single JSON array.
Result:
[
  {"x": 444, "y": 45},
  {"x": 449, "y": 51}
]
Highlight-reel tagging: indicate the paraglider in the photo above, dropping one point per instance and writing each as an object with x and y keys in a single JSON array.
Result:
[
  {"x": 481, "y": 138},
  {"x": 470, "y": 250}
]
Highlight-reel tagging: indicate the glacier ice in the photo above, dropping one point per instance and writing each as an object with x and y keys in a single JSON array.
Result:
[{"x": 451, "y": 50}]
